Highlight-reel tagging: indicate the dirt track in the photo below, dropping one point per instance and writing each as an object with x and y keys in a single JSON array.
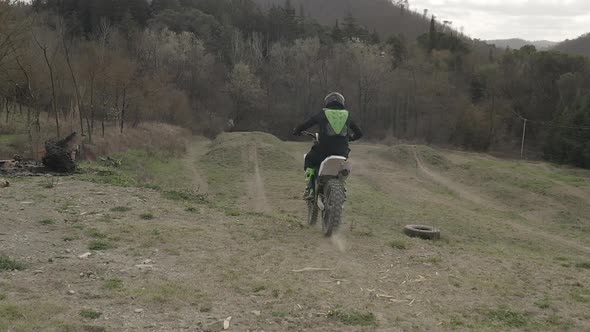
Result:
[{"x": 183, "y": 265}]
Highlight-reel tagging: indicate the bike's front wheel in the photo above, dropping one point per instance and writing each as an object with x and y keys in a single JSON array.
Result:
[{"x": 335, "y": 197}]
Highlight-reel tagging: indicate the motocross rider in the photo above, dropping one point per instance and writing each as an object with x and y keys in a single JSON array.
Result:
[{"x": 336, "y": 129}]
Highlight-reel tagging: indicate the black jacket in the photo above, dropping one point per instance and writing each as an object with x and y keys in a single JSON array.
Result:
[{"x": 331, "y": 144}]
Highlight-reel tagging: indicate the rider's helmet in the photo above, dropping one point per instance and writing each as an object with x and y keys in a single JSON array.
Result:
[{"x": 335, "y": 98}]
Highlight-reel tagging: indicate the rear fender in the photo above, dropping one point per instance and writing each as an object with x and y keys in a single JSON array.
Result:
[{"x": 335, "y": 166}]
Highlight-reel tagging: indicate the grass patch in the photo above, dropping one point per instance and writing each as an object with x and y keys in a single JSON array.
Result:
[
  {"x": 583, "y": 265},
  {"x": 146, "y": 216},
  {"x": 353, "y": 317},
  {"x": 206, "y": 307},
  {"x": 47, "y": 222},
  {"x": 113, "y": 284},
  {"x": 185, "y": 196},
  {"x": 48, "y": 183},
  {"x": 95, "y": 233},
  {"x": 168, "y": 292},
  {"x": 121, "y": 209},
  {"x": 105, "y": 175},
  {"x": 280, "y": 314},
  {"x": 398, "y": 244},
  {"x": 90, "y": 314},
  {"x": 232, "y": 212},
  {"x": 508, "y": 317},
  {"x": 100, "y": 245},
  {"x": 259, "y": 289},
  {"x": 543, "y": 303},
  {"x": 582, "y": 296},
  {"x": 8, "y": 264}
]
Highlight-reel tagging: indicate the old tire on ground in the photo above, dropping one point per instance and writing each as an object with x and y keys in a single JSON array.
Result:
[
  {"x": 312, "y": 212},
  {"x": 335, "y": 196},
  {"x": 423, "y": 232}
]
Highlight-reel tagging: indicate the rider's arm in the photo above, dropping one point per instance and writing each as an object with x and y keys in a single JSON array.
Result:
[
  {"x": 357, "y": 133},
  {"x": 306, "y": 125}
]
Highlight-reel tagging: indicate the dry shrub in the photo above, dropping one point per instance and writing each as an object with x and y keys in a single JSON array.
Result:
[{"x": 150, "y": 136}]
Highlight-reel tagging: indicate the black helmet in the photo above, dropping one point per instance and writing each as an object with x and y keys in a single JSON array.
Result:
[{"x": 335, "y": 97}]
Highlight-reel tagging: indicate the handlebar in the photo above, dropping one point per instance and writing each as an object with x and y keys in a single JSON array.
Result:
[{"x": 315, "y": 136}]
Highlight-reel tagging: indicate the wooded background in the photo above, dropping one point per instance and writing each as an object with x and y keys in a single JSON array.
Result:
[{"x": 216, "y": 65}]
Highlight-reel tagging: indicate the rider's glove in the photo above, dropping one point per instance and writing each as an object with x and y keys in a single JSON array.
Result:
[{"x": 296, "y": 132}]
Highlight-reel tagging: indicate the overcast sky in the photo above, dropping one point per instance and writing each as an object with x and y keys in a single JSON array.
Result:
[{"x": 553, "y": 20}]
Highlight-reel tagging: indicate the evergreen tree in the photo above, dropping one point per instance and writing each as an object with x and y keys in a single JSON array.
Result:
[
  {"x": 432, "y": 36},
  {"x": 351, "y": 29},
  {"x": 336, "y": 33},
  {"x": 374, "y": 38}
]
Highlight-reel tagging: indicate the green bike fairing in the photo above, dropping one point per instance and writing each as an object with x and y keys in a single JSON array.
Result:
[{"x": 337, "y": 119}]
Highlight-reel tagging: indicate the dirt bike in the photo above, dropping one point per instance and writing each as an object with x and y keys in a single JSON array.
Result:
[{"x": 330, "y": 191}]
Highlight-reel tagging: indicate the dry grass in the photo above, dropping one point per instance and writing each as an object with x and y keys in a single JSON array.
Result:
[
  {"x": 151, "y": 137},
  {"x": 146, "y": 136}
]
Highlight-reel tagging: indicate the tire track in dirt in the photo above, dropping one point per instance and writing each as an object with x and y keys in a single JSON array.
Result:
[
  {"x": 258, "y": 200},
  {"x": 195, "y": 150},
  {"x": 479, "y": 199}
]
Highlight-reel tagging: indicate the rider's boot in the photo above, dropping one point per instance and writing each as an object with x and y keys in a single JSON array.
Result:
[{"x": 310, "y": 180}]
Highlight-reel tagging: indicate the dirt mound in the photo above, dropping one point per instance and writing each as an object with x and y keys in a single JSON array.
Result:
[
  {"x": 402, "y": 155},
  {"x": 235, "y": 150},
  {"x": 433, "y": 157}
]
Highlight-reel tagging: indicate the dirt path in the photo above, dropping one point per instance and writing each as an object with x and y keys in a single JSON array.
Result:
[
  {"x": 258, "y": 201},
  {"x": 479, "y": 199},
  {"x": 194, "y": 152}
]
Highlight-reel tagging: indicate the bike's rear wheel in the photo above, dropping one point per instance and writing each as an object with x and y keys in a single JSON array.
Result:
[
  {"x": 335, "y": 197},
  {"x": 312, "y": 212}
]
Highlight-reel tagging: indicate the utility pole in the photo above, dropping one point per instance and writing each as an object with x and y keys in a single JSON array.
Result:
[{"x": 523, "y": 139}]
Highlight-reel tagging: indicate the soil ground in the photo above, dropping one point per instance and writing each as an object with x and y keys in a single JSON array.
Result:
[{"x": 184, "y": 244}]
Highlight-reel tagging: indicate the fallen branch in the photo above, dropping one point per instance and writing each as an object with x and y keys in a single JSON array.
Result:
[{"x": 313, "y": 269}]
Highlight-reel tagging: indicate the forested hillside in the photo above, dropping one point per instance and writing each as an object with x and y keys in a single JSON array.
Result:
[
  {"x": 580, "y": 45},
  {"x": 517, "y": 43},
  {"x": 378, "y": 15},
  {"x": 215, "y": 65}
]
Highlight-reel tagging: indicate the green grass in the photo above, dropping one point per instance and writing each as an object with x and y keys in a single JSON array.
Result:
[
  {"x": 100, "y": 245},
  {"x": 139, "y": 168},
  {"x": 166, "y": 292},
  {"x": 280, "y": 314},
  {"x": 583, "y": 265},
  {"x": 113, "y": 284},
  {"x": 8, "y": 139},
  {"x": 8, "y": 264},
  {"x": 543, "y": 303},
  {"x": 581, "y": 295},
  {"x": 95, "y": 233},
  {"x": 398, "y": 244},
  {"x": 90, "y": 314},
  {"x": 259, "y": 288},
  {"x": 508, "y": 317},
  {"x": 146, "y": 216},
  {"x": 433, "y": 157},
  {"x": 121, "y": 209},
  {"x": 184, "y": 196},
  {"x": 353, "y": 317},
  {"x": 47, "y": 222},
  {"x": 48, "y": 183}
]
